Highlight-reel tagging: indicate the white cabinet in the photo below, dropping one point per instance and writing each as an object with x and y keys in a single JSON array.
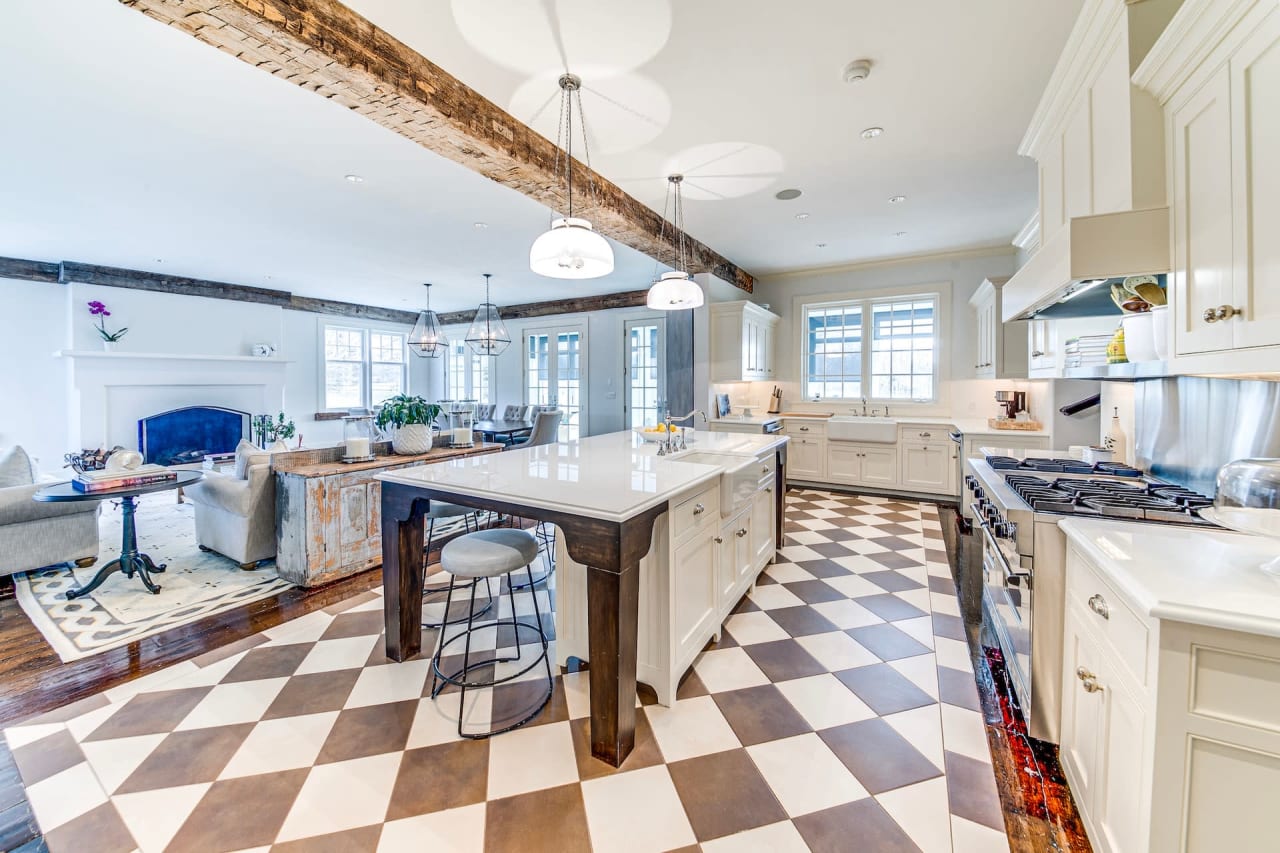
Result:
[
  {"x": 928, "y": 467},
  {"x": 742, "y": 342},
  {"x": 734, "y": 560},
  {"x": 807, "y": 452},
  {"x": 874, "y": 465},
  {"x": 695, "y": 596},
  {"x": 1042, "y": 343},
  {"x": 1001, "y": 347},
  {"x": 760, "y": 532}
]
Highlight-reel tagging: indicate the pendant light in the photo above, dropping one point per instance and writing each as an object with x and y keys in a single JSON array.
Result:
[
  {"x": 427, "y": 338},
  {"x": 571, "y": 249},
  {"x": 675, "y": 290},
  {"x": 488, "y": 334}
]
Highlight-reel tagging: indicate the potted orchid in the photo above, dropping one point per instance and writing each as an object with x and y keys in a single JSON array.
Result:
[{"x": 109, "y": 339}]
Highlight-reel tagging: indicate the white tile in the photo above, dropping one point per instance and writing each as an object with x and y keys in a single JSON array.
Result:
[
  {"x": 114, "y": 760},
  {"x": 837, "y": 650},
  {"x": 780, "y": 837},
  {"x": 920, "y": 670},
  {"x": 159, "y": 680},
  {"x": 728, "y": 669},
  {"x": 229, "y": 704},
  {"x": 341, "y": 796},
  {"x": 853, "y": 586},
  {"x": 65, "y": 796},
  {"x": 824, "y": 513},
  {"x": 805, "y": 775},
  {"x": 858, "y": 563},
  {"x": 919, "y": 629},
  {"x": 938, "y": 570},
  {"x": 824, "y": 701},
  {"x": 636, "y": 811},
  {"x": 86, "y": 724},
  {"x": 970, "y": 837},
  {"x": 807, "y": 537},
  {"x": 787, "y": 573},
  {"x": 22, "y": 735},
  {"x": 964, "y": 732},
  {"x": 530, "y": 759},
  {"x": 919, "y": 598},
  {"x": 690, "y": 728},
  {"x": 304, "y": 629},
  {"x": 207, "y": 676},
  {"x": 939, "y": 603},
  {"x": 283, "y": 744},
  {"x": 773, "y": 596},
  {"x": 754, "y": 627},
  {"x": 330, "y": 655},
  {"x": 922, "y": 728},
  {"x": 577, "y": 694},
  {"x": 922, "y": 812},
  {"x": 798, "y": 553},
  {"x": 815, "y": 524},
  {"x": 953, "y": 654},
  {"x": 436, "y": 720},
  {"x": 395, "y": 682},
  {"x": 458, "y": 830},
  {"x": 845, "y": 614},
  {"x": 154, "y": 817}
]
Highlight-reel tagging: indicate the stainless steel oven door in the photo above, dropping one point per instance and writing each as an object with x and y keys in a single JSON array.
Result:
[{"x": 1008, "y": 594}]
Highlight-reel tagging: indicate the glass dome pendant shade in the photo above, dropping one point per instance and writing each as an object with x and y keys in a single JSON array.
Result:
[
  {"x": 427, "y": 338},
  {"x": 488, "y": 335},
  {"x": 571, "y": 249},
  {"x": 675, "y": 290}
]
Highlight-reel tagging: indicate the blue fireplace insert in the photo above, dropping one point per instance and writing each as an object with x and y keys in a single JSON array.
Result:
[{"x": 185, "y": 436}]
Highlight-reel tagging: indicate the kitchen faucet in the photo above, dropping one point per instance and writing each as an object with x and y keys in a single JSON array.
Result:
[
  {"x": 864, "y": 407},
  {"x": 668, "y": 445}
]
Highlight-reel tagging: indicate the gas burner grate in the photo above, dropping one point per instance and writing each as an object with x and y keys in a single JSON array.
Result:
[
  {"x": 1058, "y": 465},
  {"x": 1108, "y": 498}
]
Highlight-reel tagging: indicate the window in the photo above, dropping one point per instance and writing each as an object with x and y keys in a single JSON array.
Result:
[
  {"x": 555, "y": 372},
  {"x": 468, "y": 373},
  {"x": 903, "y": 336},
  {"x": 645, "y": 379},
  {"x": 362, "y": 367}
]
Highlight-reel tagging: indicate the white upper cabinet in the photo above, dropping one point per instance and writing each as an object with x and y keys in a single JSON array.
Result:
[
  {"x": 1001, "y": 348},
  {"x": 742, "y": 342}
]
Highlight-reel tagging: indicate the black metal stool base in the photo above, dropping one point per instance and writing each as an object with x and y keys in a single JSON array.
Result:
[{"x": 548, "y": 559}]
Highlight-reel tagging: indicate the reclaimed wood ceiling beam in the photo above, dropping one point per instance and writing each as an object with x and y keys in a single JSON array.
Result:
[{"x": 328, "y": 49}]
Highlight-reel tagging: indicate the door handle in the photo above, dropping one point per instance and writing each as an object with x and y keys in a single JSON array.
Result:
[
  {"x": 742, "y": 531},
  {"x": 699, "y": 509},
  {"x": 1088, "y": 680},
  {"x": 1098, "y": 605},
  {"x": 1222, "y": 312}
]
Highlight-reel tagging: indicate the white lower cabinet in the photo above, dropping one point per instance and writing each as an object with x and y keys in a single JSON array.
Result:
[
  {"x": 807, "y": 458},
  {"x": 694, "y": 598},
  {"x": 761, "y": 530},
  {"x": 873, "y": 465},
  {"x": 928, "y": 467},
  {"x": 733, "y": 564}
]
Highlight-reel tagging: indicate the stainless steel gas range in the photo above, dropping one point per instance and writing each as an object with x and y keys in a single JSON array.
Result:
[{"x": 1017, "y": 499}]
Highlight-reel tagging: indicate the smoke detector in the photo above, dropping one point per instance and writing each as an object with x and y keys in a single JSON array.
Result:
[{"x": 857, "y": 71}]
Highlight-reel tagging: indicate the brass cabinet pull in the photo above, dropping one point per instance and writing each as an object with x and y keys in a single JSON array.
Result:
[
  {"x": 719, "y": 540},
  {"x": 1088, "y": 680},
  {"x": 699, "y": 509},
  {"x": 1222, "y": 312},
  {"x": 1098, "y": 605},
  {"x": 742, "y": 531}
]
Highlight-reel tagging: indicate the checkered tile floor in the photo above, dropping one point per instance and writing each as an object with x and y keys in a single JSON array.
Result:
[{"x": 838, "y": 712}]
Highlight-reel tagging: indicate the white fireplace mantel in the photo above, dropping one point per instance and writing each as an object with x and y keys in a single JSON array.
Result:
[{"x": 164, "y": 356}]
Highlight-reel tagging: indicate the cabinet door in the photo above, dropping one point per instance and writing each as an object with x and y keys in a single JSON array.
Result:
[
  {"x": 926, "y": 467},
  {"x": 879, "y": 466},
  {"x": 844, "y": 462},
  {"x": 768, "y": 335},
  {"x": 1117, "y": 802},
  {"x": 760, "y": 530},
  {"x": 803, "y": 462},
  {"x": 1255, "y": 169},
  {"x": 1082, "y": 711},
  {"x": 694, "y": 586},
  {"x": 750, "y": 348},
  {"x": 1202, "y": 214},
  {"x": 1041, "y": 343},
  {"x": 727, "y": 564}
]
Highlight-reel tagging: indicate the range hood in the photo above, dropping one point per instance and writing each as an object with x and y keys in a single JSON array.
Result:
[{"x": 1089, "y": 249}]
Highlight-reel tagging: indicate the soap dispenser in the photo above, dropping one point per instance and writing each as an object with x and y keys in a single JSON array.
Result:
[{"x": 1116, "y": 441}]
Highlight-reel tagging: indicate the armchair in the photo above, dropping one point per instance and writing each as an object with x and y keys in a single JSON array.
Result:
[
  {"x": 34, "y": 535},
  {"x": 235, "y": 517}
]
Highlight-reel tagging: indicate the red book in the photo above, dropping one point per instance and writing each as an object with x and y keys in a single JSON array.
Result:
[{"x": 123, "y": 482}]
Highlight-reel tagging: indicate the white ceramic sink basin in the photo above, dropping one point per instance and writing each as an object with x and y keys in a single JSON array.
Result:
[
  {"x": 857, "y": 428},
  {"x": 738, "y": 479}
]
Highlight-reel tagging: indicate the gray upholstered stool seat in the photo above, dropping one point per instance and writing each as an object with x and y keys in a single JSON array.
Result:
[
  {"x": 440, "y": 509},
  {"x": 489, "y": 553}
]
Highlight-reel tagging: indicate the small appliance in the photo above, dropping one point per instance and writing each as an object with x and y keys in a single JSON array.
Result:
[{"x": 1013, "y": 402}]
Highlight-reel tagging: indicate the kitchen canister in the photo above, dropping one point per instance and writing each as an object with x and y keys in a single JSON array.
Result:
[
  {"x": 1160, "y": 331},
  {"x": 1139, "y": 337}
]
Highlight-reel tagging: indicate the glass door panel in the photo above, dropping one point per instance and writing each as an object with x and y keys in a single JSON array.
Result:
[
  {"x": 555, "y": 373},
  {"x": 646, "y": 378}
]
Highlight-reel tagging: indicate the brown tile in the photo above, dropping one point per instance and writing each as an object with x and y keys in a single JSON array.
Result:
[
  {"x": 507, "y": 634},
  {"x": 270, "y": 662},
  {"x": 896, "y": 529},
  {"x": 890, "y": 608},
  {"x": 951, "y": 627},
  {"x": 934, "y": 556},
  {"x": 99, "y": 829},
  {"x": 645, "y": 754},
  {"x": 150, "y": 713},
  {"x": 223, "y": 652},
  {"x": 886, "y": 642},
  {"x": 363, "y": 839},
  {"x": 801, "y": 621},
  {"x": 971, "y": 785},
  {"x": 832, "y": 549},
  {"x": 881, "y": 758},
  {"x": 515, "y": 700},
  {"x": 361, "y": 732},
  {"x": 704, "y": 785},
  {"x": 759, "y": 714},
  {"x": 378, "y": 654},
  {"x": 957, "y": 687},
  {"x": 313, "y": 693},
  {"x": 824, "y": 568},
  {"x": 784, "y": 659},
  {"x": 362, "y": 624},
  {"x": 884, "y": 689},
  {"x": 440, "y": 777},
  {"x": 348, "y": 603},
  {"x": 943, "y": 586},
  {"x": 553, "y": 820},
  {"x": 843, "y": 534},
  {"x": 894, "y": 560},
  {"x": 745, "y": 605},
  {"x": 690, "y": 686},
  {"x": 184, "y": 758},
  {"x": 43, "y": 758},
  {"x": 833, "y": 830},
  {"x": 814, "y": 592},
  {"x": 892, "y": 581},
  {"x": 899, "y": 506},
  {"x": 764, "y": 579},
  {"x": 239, "y": 813},
  {"x": 70, "y": 711}
]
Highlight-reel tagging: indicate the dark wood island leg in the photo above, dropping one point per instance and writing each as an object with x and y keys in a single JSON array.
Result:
[
  {"x": 613, "y": 605},
  {"x": 403, "y": 569}
]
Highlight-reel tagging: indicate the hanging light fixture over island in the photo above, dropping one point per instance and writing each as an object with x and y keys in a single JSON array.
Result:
[
  {"x": 675, "y": 290},
  {"x": 427, "y": 338},
  {"x": 488, "y": 335}
]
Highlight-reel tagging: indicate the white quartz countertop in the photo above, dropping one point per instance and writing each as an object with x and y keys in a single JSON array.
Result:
[
  {"x": 968, "y": 426},
  {"x": 1186, "y": 574},
  {"x": 612, "y": 477}
]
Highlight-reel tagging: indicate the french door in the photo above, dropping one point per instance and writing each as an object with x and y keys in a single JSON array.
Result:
[
  {"x": 555, "y": 374},
  {"x": 645, "y": 352}
]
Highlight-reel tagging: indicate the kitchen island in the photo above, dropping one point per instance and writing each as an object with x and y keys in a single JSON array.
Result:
[{"x": 604, "y": 494}]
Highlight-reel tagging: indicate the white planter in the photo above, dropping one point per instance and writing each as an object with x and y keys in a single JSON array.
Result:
[
  {"x": 108, "y": 346},
  {"x": 1139, "y": 337},
  {"x": 1160, "y": 331},
  {"x": 411, "y": 439}
]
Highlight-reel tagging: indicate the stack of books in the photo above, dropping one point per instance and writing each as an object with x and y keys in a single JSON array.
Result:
[
  {"x": 104, "y": 480},
  {"x": 1086, "y": 351}
]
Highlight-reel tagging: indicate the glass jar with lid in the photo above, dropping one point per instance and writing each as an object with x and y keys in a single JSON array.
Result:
[
  {"x": 357, "y": 438},
  {"x": 1248, "y": 500}
]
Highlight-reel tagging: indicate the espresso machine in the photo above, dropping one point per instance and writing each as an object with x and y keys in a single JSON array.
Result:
[{"x": 1012, "y": 402}]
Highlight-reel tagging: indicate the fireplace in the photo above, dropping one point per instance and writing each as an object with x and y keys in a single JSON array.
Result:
[{"x": 187, "y": 435}]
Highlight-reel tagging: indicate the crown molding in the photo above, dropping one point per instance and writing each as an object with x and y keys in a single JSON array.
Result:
[
  {"x": 985, "y": 251},
  {"x": 1029, "y": 233},
  {"x": 1196, "y": 30}
]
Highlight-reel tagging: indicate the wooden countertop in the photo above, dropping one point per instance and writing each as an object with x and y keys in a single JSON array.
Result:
[{"x": 435, "y": 454}]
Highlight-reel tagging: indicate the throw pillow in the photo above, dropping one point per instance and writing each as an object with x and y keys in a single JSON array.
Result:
[
  {"x": 248, "y": 454},
  {"x": 16, "y": 468}
]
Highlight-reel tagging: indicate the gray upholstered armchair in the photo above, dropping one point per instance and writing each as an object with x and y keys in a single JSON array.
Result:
[
  {"x": 237, "y": 517},
  {"x": 34, "y": 534}
]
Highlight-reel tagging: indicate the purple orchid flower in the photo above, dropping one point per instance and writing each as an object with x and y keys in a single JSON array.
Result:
[{"x": 99, "y": 310}]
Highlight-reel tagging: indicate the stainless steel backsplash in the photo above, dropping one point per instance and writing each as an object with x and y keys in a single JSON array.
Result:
[{"x": 1187, "y": 427}]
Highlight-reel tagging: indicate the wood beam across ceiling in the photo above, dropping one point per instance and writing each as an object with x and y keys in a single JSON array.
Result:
[{"x": 328, "y": 49}]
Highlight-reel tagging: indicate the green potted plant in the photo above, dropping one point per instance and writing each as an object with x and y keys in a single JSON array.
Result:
[{"x": 412, "y": 418}]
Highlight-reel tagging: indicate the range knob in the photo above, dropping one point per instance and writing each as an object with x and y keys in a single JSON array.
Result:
[
  {"x": 1011, "y": 530},
  {"x": 970, "y": 482},
  {"x": 991, "y": 512},
  {"x": 1001, "y": 530},
  {"x": 978, "y": 493}
]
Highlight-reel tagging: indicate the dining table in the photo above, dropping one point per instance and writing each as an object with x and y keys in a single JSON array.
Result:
[{"x": 498, "y": 429}]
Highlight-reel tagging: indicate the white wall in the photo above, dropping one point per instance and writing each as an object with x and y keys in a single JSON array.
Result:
[{"x": 33, "y": 384}]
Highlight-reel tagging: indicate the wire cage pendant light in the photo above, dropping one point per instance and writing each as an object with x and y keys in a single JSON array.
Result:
[
  {"x": 427, "y": 338},
  {"x": 488, "y": 335},
  {"x": 675, "y": 290},
  {"x": 571, "y": 248}
]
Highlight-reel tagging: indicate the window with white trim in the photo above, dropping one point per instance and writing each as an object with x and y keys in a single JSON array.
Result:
[
  {"x": 468, "y": 373},
  {"x": 362, "y": 367},
  {"x": 900, "y": 334}
]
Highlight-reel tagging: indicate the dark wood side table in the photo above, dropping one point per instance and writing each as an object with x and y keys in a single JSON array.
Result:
[{"x": 130, "y": 559}]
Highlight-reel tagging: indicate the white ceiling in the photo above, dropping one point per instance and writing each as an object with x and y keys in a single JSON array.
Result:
[{"x": 132, "y": 144}]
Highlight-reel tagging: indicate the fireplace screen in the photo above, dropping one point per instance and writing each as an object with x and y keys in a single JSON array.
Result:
[{"x": 185, "y": 436}]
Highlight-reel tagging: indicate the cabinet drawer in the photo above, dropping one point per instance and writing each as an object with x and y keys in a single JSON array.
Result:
[
  {"x": 1110, "y": 618},
  {"x": 690, "y": 512},
  {"x": 812, "y": 427},
  {"x": 924, "y": 434},
  {"x": 766, "y": 464}
]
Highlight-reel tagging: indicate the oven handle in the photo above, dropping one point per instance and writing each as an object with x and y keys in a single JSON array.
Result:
[
  {"x": 989, "y": 542},
  {"x": 957, "y": 437},
  {"x": 979, "y": 520}
]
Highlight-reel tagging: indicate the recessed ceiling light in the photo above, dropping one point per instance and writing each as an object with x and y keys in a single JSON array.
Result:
[
  {"x": 355, "y": 179},
  {"x": 821, "y": 245},
  {"x": 802, "y": 216},
  {"x": 897, "y": 199},
  {"x": 787, "y": 195},
  {"x": 857, "y": 71},
  {"x": 480, "y": 226},
  {"x": 872, "y": 132}
]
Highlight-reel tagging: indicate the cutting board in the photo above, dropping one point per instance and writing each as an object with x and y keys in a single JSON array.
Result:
[
  {"x": 1003, "y": 423},
  {"x": 806, "y": 414}
]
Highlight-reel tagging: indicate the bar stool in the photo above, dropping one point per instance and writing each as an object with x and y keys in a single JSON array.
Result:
[
  {"x": 442, "y": 510},
  {"x": 479, "y": 556}
]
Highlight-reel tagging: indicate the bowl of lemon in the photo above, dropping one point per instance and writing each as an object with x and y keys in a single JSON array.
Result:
[{"x": 654, "y": 434}]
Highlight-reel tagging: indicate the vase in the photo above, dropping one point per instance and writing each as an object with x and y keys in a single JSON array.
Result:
[
  {"x": 108, "y": 346},
  {"x": 1139, "y": 337},
  {"x": 411, "y": 439}
]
